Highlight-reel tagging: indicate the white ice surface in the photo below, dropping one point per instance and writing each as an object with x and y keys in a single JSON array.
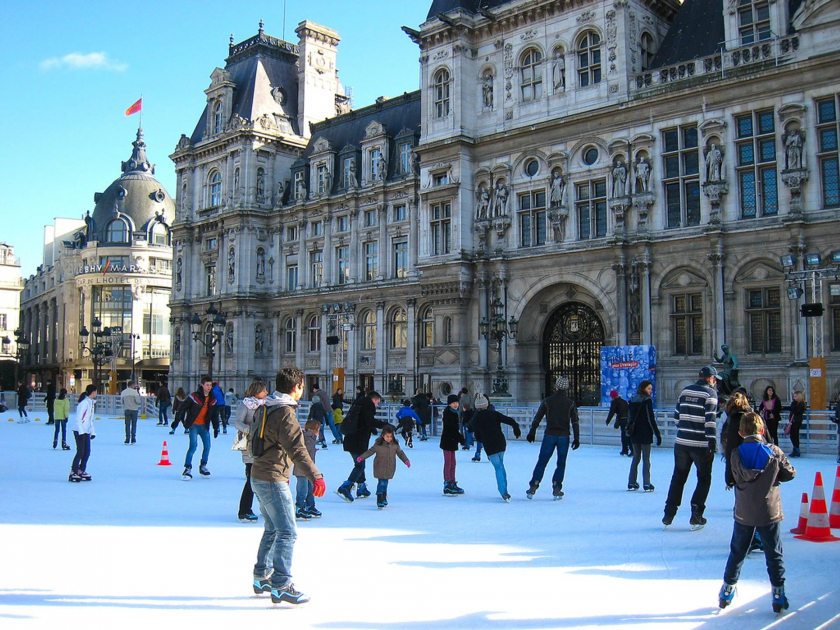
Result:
[{"x": 141, "y": 548}]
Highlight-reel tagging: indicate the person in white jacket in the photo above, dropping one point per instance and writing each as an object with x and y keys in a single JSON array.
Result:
[{"x": 82, "y": 427}]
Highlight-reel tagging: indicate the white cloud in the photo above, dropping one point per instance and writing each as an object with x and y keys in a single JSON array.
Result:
[{"x": 80, "y": 61}]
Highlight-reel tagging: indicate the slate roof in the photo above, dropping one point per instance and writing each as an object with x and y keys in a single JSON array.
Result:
[
  {"x": 697, "y": 31},
  {"x": 444, "y": 6}
]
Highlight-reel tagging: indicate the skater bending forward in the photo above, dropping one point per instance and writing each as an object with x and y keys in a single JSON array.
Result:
[
  {"x": 387, "y": 449},
  {"x": 758, "y": 469}
]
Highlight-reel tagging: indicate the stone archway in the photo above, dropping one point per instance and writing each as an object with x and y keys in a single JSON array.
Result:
[{"x": 572, "y": 341}]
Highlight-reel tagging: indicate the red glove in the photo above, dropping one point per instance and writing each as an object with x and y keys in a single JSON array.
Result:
[
  {"x": 408, "y": 464},
  {"x": 319, "y": 488},
  {"x": 359, "y": 459}
]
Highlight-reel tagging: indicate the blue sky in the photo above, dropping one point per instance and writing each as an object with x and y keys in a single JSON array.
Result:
[{"x": 72, "y": 68}]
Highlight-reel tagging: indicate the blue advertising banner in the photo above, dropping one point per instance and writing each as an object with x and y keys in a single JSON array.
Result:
[{"x": 623, "y": 368}]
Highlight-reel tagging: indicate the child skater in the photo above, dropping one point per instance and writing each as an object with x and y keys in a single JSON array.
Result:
[
  {"x": 450, "y": 438},
  {"x": 254, "y": 398},
  {"x": 758, "y": 469},
  {"x": 387, "y": 449},
  {"x": 304, "y": 498},
  {"x": 406, "y": 417},
  {"x": 62, "y": 412},
  {"x": 82, "y": 427}
]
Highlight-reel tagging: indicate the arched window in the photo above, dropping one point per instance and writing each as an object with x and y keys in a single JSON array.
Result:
[
  {"x": 427, "y": 328},
  {"x": 647, "y": 50},
  {"x": 160, "y": 235},
  {"x": 399, "y": 329},
  {"x": 215, "y": 189},
  {"x": 369, "y": 331},
  {"x": 532, "y": 75},
  {"x": 314, "y": 333},
  {"x": 291, "y": 335},
  {"x": 441, "y": 93},
  {"x": 589, "y": 59},
  {"x": 218, "y": 117},
  {"x": 116, "y": 232},
  {"x": 447, "y": 330}
]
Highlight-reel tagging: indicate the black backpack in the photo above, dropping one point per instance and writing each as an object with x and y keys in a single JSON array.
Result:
[
  {"x": 350, "y": 424},
  {"x": 256, "y": 441}
]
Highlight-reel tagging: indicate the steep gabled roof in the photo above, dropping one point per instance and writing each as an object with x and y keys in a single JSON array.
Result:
[
  {"x": 698, "y": 31},
  {"x": 472, "y": 6}
]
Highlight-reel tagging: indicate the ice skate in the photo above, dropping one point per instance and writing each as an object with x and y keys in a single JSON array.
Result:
[
  {"x": 557, "y": 493},
  {"x": 667, "y": 519},
  {"x": 632, "y": 486},
  {"x": 447, "y": 489},
  {"x": 187, "y": 474},
  {"x": 64, "y": 446},
  {"x": 476, "y": 459},
  {"x": 288, "y": 594},
  {"x": 345, "y": 491},
  {"x": 697, "y": 522},
  {"x": 780, "y": 601},
  {"x": 456, "y": 489},
  {"x": 362, "y": 492},
  {"x": 649, "y": 487},
  {"x": 203, "y": 470},
  {"x": 74, "y": 477},
  {"x": 55, "y": 443},
  {"x": 506, "y": 498},
  {"x": 262, "y": 586},
  {"x": 727, "y": 593},
  {"x": 248, "y": 518},
  {"x": 83, "y": 475},
  {"x": 380, "y": 500},
  {"x": 302, "y": 515},
  {"x": 313, "y": 512},
  {"x": 532, "y": 489}
]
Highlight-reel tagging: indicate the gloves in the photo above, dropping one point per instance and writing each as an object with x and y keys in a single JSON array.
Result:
[
  {"x": 659, "y": 440},
  {"x": 92, "y": 437},
  {"x": 319, "y": 487},
  {"x": 517, "y": 432},
  {"x": 215, "y": 433},
  {"x": 608, "y": 422},
  {"x": 532, "y": 435},
  {"x": 359, "y": 459},
  {"x": 615, "y": 426},
  {"x": 576, "y": 444},
  {"x": 408, "y": 464},
  {"x": 713, "y": 445}
]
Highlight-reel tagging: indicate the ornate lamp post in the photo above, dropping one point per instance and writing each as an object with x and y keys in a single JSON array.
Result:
[
  {"x": 22, "y": 347},
  {"x": 100, "y": 352},
  {"x": 341, "y": 318},
  {"x": 213, "y": 338},
  {"x": 498, "y": 330}
]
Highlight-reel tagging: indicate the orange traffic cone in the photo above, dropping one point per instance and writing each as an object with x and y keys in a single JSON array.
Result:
[
  {"x": 164, "y": 457},
  {"x": 818, "y": 529},
  {"x": 803, "y": 516},
  {"x": 834, "y": 512}
]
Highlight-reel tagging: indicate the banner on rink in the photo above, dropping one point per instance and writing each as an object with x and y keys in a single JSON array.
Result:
[{"x": 623, "y": 368}]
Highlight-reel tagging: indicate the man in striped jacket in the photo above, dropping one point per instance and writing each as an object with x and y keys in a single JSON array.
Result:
[{"x": 695, "y": 444}]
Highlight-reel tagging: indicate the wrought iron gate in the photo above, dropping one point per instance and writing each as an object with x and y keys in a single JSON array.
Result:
[{"x": 572, "y": 347}]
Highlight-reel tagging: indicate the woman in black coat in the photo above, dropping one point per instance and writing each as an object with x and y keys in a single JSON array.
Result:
[
  {"x": 641, "y": 425},
  {"x": 770, "y": 411},
  {"x": 450, "y": 438},
  {"x": 797, "y": 416},
  {"x": 486, "y": 424},
  {"x": 731, "y": 439}
]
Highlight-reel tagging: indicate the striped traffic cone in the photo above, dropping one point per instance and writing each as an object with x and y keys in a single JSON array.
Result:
[
  {"x": 834, "y": 512},
  {"x": 818, "y": 529},
  {"x": 164, "y": 457},
  {"x": 803, "y": 516}
]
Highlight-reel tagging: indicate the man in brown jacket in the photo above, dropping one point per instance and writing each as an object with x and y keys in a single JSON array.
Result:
[{"x": 279, "y": 432}]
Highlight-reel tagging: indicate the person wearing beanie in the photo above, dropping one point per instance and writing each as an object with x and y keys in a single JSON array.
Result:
[
  {"x": 450, "y": 438},
  {"x": 487, "y": 426},
  {"x": 620, "y": 408},
  {"x": 561, "y": 419}
]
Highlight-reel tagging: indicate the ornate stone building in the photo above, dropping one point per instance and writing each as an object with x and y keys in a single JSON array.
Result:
[
  {"x": 115, "y": 268},
  {"x": 11, "y": 286},
  {"x": 606, "y": 172}
]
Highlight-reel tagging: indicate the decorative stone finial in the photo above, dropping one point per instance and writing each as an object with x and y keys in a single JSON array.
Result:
[
  {"x": 138, "y": 160},
  {"x": 261, "y": 26},
  {"x": 231, "y": 39}
]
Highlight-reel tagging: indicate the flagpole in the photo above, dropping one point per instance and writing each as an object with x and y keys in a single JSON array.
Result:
[{"x": 141, "y": 111}]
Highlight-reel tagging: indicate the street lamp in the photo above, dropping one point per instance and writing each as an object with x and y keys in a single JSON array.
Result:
[
  {"x": 101, "y": 350},
  {"x": 22, "y": 346},
  {"x": 497, "y": 330},
  {"x": 217, "y": 323},
  {"x": 341, "y": 321}
]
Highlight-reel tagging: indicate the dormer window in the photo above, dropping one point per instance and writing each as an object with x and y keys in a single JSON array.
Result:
[
  {"x": 405, "y": 158},
  {"x": 116, "y": 232},
  {"x": 218, "y": 117},
  {"x": 753, "y": 21},
  {"x": 160, "y": 235},
  {"x": 321, "y": 172},
  {"x": 647, "y": 50}
]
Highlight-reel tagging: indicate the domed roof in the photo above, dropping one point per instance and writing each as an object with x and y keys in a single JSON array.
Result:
[{"x": 136, "y": 196}]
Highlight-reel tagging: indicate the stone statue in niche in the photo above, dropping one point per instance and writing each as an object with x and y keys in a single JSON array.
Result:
[
  {"x": 642, "y": 175},
  {"x": 558, "y": 185},
  {"x": 793, "y": 149},
  {"x": 300, "y": 190},
  {"x": 482, "y": 202},
  {"x": 381, "y": 168},
  {"x": 229, "y": 340},
  {"x": 558, "y": 72},
  {"x": 176, "y": 343},
  {"x": 236, "y": 181},
  {"x": 258, "y": 340},
  {"x": 487, "y": 91},
  {"x": 179, "y": 268},
  {"x": 280, "y": 189},
  {"x": 714, "y": 164},
  {"x": 352, "y": 181},
  {"x": 619, "y": 179},
  {"x": 260, "y": 183},
  {"x": 500, "y": 197},
  {"x": 327, "y": 182},
  {"x": 260, "y": 263},
  {"x": 231, "y": 264}
]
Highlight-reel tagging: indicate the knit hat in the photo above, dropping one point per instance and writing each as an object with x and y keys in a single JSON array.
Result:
[
  {"x": 481, "y": 401},
  {"x": 562, "y": 382},
  {"x": 452, "y": 398},
  {"x": 613, "y": 394}
]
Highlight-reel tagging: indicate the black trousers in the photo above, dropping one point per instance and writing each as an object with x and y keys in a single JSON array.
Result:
[
  {"x": 684, "y": 458},
  {"x": 246, "y": 501}
]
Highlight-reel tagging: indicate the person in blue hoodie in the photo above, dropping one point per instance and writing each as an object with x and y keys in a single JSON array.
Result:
[{"x": 758, "y": 469}]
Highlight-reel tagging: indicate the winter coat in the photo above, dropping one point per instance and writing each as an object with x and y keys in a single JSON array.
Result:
[
  {"x": 317, "y": 411},
  {"x": 406, "y": 416},
  {"x": 560, "y": 415},
  {"x": 309, "y": 439},
  {"x": 385, "y": 462},
  {"x": 83, "y": 421},
  {"x": 337, "y": 402},
  {"x": 487, "y": 426},
  {"x": 176, "y": 405},
  {"x": 62, "y": 408},
  {"x": 230, "y": 399},
  {"x": 771, "y": 415},
  {"x": 797, "y": 412},
  {"x": 696, "y": 416},
  {"x": 23, "y": 395},
  {"x": 732, "y": 441},
  {"x": 618, "y": 408},
  {"x": 323, "y": 397},
  {"x": 420, "y": 404},
  {"x": 758, "y": 469},
  {"x": 641, "y": 416},
  {"x": 284, "y": 443},
  {"x": 450, "y": 436},
  {"x": 190, "y": 408},
  {"x": 162, "y": 396},
  {"x": 359, "y": 441},
  {"x": 131, "y": 400},
  {"x": 244, "y": 419},
  {"x": 50, "y": 392}
]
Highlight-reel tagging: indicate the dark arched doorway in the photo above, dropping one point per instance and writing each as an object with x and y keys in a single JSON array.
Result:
[{"x": 572, "y": 344}]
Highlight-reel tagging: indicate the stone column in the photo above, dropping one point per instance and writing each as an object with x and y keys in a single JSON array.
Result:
[
  {"x": 620, "y": 269},
  {"x": 299, "y": 331},
  {"x": 413, "y": 243},
  {"x": 384, "y": 267},
  {"x": 801, "y": 328},
  {"x": 353, "y": 245},
  {"x": 328, "y": 279},
  {"x": 719, "y": 334},
  {"x": 303, "y": 256},
  {"x": 411, "y": 346},
  {"x": 646, "y": 319},
  {"x": 381, "y": 341}
]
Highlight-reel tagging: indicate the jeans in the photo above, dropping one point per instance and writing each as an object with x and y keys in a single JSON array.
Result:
[
  {"x": 498, "y": 461},
  {"x": 478, "y": 446},
  {"x": 421, "y": 428},
  {"x": 468, "y": 437},
  {"x": 196, "y": 431},
  {"x": 162, "y": 417},
  {"x": 130, "y": 425},
  {"x": 742, "y": 536},
  {"x": 640, "y": 452},
  {"x": 331, "y": 423},
  {"x": 381, "y": 486},
  {"x": 22, "y": 411},
  {"x": 357, "y": 475},
  {"x": 449, "y": 465},
  {"x": 225, "y": 416},
  {"x": 549, "y": 443},
  {"x": 626, "y": 447},
  {"x": 246, "y": 499},
  {"x": 303, "y": 493},
  {"x": 61, "y": 424},
  {"x": 82, "y": 451},
  {"x": 684, "y": 457},
  {"x": 274, "y": 556}
]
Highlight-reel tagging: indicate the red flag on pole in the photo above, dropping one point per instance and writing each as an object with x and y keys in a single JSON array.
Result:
[{"x": 134, "y": 108}]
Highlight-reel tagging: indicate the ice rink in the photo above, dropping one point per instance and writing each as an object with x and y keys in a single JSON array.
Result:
[{"x": 141, "y": 548}]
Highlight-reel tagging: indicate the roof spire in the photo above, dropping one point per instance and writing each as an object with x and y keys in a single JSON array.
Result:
[
  {"x": 261, "y": 26},
  {"x": 231, "y": 39},
  {"x": 138, "y": 160}
]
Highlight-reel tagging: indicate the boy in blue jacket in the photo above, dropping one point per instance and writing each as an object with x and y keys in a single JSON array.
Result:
[{"x": 758, "y": 469}]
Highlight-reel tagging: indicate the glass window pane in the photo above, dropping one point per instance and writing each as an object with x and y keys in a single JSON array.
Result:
[
  {"x": 744, "y": 126},
  {"x": 830, "y": 182},
  {"x": 756, "y": 333},
  {"x": 671, "y": 141},
  {"x": 689, "y": 137},
  {"x": 828, "y": 139},
  {"x": 672, "y": 166},
  {"x": 583, "y": 220},
  {"x": 679, "y": 336},
  {"x": 679, "y": 303},
  {"x": 826, "y": 111},
  {"x": 768, "y": 150},
  {"x": 672, "y": 203},
  {"x": 770, "y": 191},
  {"x": 766, "y": 123},
  {"x": 755, "y": 300},
  {"x": 774, "y": 332},
  {"x": 692, "y": 203},
  {"x": 772, "y": 298},
  {"x": 601, "y": 188},
  {"x": 748, "y": 197},
  {"x": 696, "y": 334},
  {"x": 601, "y": 218},
  {"x": 696, "y": 302},
  {"x": 691, "y": 163},
  {"x": 745, "y": 154}
]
